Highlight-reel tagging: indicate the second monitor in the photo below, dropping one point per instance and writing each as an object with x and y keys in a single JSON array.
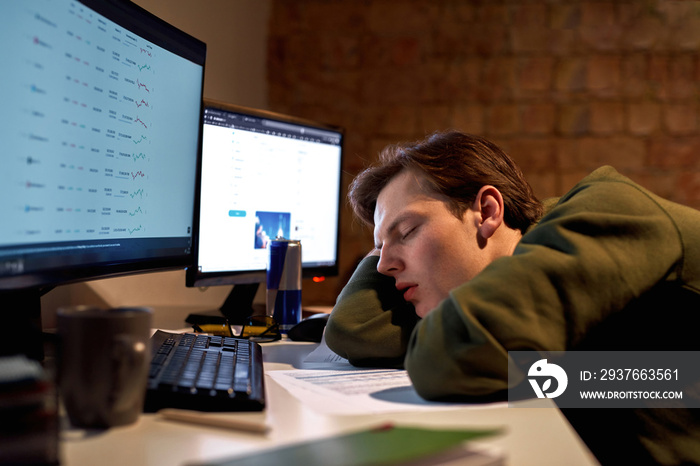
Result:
[{"x": 264, "y": 175}]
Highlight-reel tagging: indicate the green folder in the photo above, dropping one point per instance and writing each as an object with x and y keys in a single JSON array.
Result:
[{"x": 379, "y": 446}]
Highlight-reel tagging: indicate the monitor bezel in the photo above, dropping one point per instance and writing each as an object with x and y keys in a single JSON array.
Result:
[
  {"x": 195, "y": 277},
  {"x": 168, "y": 36}
]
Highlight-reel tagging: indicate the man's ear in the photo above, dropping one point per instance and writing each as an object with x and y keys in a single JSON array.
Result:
[{"x": 490, "y": 209}]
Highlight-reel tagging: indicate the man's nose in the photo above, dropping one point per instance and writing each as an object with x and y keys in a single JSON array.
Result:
[{"x": 388, "y": 263}]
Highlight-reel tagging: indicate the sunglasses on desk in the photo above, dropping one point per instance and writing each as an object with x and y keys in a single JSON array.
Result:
[{"x": 261, "y": 329}]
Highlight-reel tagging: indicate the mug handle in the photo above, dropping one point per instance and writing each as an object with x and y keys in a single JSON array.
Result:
[{"x": 128, "y": 358}]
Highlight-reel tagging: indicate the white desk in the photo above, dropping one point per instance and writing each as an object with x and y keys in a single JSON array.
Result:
[{"x": 534, "y": 436}]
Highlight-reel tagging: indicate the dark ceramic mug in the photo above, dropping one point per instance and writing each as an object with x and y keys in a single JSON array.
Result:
[{"x": 103, "y": 362}]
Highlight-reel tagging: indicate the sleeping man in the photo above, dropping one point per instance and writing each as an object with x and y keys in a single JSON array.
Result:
[{"x": 469, "y": 265}]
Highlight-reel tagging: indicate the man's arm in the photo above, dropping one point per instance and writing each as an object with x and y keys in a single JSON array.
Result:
[{"x": 371, "y": 322}]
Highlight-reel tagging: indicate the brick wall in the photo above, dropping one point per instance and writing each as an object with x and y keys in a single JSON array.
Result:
[{"x": 563, "y": 86}]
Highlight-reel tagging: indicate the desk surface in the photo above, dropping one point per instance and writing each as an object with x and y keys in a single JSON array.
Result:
[{"x": 534, "y": 436}]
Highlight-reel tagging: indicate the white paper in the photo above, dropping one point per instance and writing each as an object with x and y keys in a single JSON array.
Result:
[
  {"x": 334, "y": 386},
  {"x": 323, "y": 353}
]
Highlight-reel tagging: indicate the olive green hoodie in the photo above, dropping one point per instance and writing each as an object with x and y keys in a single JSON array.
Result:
[{"x": 610, "y": 266}]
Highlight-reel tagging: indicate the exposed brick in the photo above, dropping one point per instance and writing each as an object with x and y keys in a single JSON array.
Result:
[
  {"x": 599, "y": 28},
  {"x": 471, "y": 80},
  {"x": 565, "y": 15},
  {"x": 688, "y": 188},
  {"x": 362, "y": 155},
  {"x": 395, "y": 119},
  {"x": 530, "y": 39},
  {"x": 660, "y": 182},
  {"x": 333, "y": 16},
  {"x": 502, "y": 120},
  {"x": 449, "y": 82},
  {"x": 299, "y": 49},
  {"x": 566, "y": 152},
  {"x": 674, "y": 153},
  {"x": 390, "y": 86},
  {"x": 569, "y": 178},
  {"x": 285, "y": 18},
  {"x": 406, "y": 51},
  {"x": 459, "y": 40},
  {"x": 674, "y": 13},
  {"x": 325, "y": 88},
  {"x": 341, "y": 52},
  {"x": 563, "y": 42},
  {"x": 377, "y": 144},
  {"x": 602, "y": 38},
  {"x": 459, "y": 13},
  {"x": 574, "y": 120},
  {"x": 681, "y": 119},
  {"x": 681, "y": 77},
  {"x": 448, "y": 43},
  {"x": 633, "y": 12},
  {"x": 400, "y": 17},
  {"x": 336, "y": 113},
  {"x": 434, "y": 118},
  {"x": 621, "y": 152},
  {"x": 538, "y": 118},
  {"x": 603, "y": 75},
  {"x": 532, "y": 154},
  {"x": 643, "y": 118},
  {"x": 598, "y": 13},
  {"x": 607, "y": 117},
  {"x": 498, "y": 79},
  {"x": 697, "y": 71},
  {"x": 492, "y": 12},
  {"x": 564, "y": 86},
  {"x": 543, "y": 184},
  {"x": 469, "y": 118},
  {"x": 570, "y": 74},
  {"x": 635, "y": 76},
  {"x": 534, "y": 75},
  {"x": 686, "y": 35},
  {"x": 357, "y": 146},
  {"x": 531, "y": 15},
  {"x": 644, "y": 33},
  {"x": 487, "y": 39},
  {"x": 387, "y": 51},
  {"x": 658, "y": 75}
]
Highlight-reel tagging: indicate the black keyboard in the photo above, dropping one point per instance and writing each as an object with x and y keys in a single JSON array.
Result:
[{"x": 205, "y": 373}]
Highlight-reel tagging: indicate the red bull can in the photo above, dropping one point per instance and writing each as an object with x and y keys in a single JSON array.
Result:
[{"x": 284, "y": 283}]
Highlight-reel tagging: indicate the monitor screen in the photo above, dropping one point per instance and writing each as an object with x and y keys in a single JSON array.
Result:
[
  {"x": 265, "y": 175},
  {"x": 101, "y": 123}
]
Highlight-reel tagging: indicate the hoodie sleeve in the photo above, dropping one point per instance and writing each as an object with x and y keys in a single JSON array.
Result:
[{"x": 371, "y": 322}]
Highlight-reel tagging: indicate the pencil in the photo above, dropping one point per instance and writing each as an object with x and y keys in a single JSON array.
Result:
[{"x": 207, "y": 419}]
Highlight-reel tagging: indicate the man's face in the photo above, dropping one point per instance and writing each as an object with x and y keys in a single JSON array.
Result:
[{"x": 424, "y": 246}]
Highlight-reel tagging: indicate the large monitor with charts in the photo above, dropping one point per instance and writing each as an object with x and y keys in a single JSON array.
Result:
[
  {"x": 265, "y": 175},
  {"x": 101, "y": 131}
]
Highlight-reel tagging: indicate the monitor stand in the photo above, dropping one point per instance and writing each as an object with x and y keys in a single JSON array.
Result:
[
  {"x": 20, "y": 311},
  {"x": 236, "y": 309},
  {"x": 238, "y": 306}
]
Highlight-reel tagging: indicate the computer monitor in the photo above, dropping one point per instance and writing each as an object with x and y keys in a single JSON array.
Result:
[
  {"x": 264, "y": 175},
  {"x": 101, "y": 130}
]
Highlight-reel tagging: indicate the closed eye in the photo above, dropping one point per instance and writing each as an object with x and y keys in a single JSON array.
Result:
[{"x": 408, "y": 233}]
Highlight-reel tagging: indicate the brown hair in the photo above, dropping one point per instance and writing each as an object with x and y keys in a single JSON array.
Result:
[{"x": 456, "y": 165}]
